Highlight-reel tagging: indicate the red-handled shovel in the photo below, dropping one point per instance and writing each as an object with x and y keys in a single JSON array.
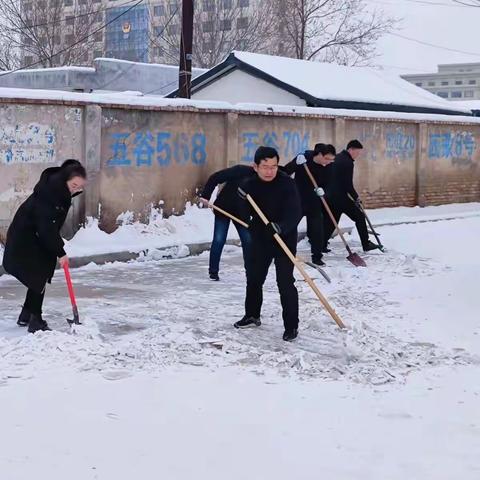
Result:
[{"x": 76, "y": 318}]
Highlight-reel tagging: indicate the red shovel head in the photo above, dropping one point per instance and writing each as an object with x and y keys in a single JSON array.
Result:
[{"x": 356, "y": 259}]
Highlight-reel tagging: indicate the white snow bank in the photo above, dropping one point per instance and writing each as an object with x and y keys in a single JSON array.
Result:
[{"x": 196, "y": 226}]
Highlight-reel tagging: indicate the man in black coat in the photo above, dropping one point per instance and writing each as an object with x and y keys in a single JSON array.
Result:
[
  {"x": 338, "y": 191},
  {"x": 277, "y": 196},
  {"x": 33, "y": 239},
  {"x": 228, "y": 200},
  {"x": 318, "y": 162}
]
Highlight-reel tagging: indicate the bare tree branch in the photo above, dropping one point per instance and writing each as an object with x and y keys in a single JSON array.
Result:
[
  {"x": 340, "y": 31},
  {"x": 40, "y": 28}
]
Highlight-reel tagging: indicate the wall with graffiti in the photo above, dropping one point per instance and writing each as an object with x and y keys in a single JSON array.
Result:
[{"x": 32, "y": 138}]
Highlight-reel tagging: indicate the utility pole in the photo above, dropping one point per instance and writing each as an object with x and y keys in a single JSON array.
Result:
[{"x": 186, "y": 47}]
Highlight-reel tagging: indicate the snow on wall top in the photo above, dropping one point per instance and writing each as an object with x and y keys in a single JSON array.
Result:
[
  {"x": 140, "y": 100},
  {"x": 328, "y": 81}
]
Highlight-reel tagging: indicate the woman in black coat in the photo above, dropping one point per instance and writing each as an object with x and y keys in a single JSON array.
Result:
[{"x": 33, "y": 239}]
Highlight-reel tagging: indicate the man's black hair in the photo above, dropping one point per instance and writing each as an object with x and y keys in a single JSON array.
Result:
[
  {"x": 324, "y": 149},
  {"x": 354, "y": 144},
  {"x": 71, "y": 169},
  {"x": 265, "y": 152}
]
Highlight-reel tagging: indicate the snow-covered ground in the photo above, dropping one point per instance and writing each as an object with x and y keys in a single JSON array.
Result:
[{"x": 157, "y": 383}]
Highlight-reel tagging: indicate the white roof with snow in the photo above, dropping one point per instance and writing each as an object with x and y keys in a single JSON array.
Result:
[{"x": 326, "y": 82}]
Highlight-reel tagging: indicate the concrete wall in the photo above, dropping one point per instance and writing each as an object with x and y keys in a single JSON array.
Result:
[
  {"x": 158, "y": 156},
  {"x": 33, "y": 138}
]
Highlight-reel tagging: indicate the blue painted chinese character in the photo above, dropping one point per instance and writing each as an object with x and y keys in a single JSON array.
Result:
[
  {"x": 250, "y": 143},
  {"x": 270, "y": 139},
  {"x": 143, "y": 150},
  {"x": 120, "y": 151}
]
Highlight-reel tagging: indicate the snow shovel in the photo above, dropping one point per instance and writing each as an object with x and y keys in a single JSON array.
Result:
[
  {"x": 71, "y": 293},
  {"x": 241, "y": 222},
  {"x": 360, "y": 207},
  {"x": 294, "y": 260},
  {"x": 352, "y": 257}
]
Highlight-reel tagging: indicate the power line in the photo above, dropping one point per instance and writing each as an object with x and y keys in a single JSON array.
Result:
[
  {"x": 73, "y": 45},
  {"x": 421, "y": 42}
]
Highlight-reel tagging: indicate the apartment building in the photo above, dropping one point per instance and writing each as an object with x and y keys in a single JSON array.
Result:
[{"x": 457, "y": 82}]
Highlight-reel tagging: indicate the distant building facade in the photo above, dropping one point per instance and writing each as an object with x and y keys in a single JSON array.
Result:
[{"x": 457, "y": 82}]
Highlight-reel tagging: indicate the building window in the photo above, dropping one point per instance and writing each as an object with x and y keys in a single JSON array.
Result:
[
  {"x": 98, "y": 36},
  {"x": 70, "y": 20},
  {"x": 97, "y": 54},
  {"x": 69, "y": 39},
  {"x": 157, "y": 31},
  {"x": 243, "y": 3},
  {"x": 442, "y": 94},
  {"x": 82, "y": 2},
  {"x": 242, "y": 23},
  {"x": 172, "y": 8},
  {"x": 68, "y": 3},
  {"x": 208, "y": 6},
  {"x": 227, "y": 4},
  {"x": 445, "y": 82},
  {"x": 28, "y": 60},
  {"x": 458, "y": 82},
  {"x": 159, "y": 11},
  {"x": 468, "y": 94},
  {"x": 158, "y": 51},
  {"x": 418, "y": 84},
  {"x": 208, "y": 27},
  {"x": 173, "y": 29},
  {"x": 225, "y": 24},
  {"x": 431, "y": 84},
  {"x": 456, "y": 94},
  {"x": 472, "y": 82}
]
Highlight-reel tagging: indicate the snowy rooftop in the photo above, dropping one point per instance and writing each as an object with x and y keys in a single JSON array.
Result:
[{"x": 330, "y": 85}]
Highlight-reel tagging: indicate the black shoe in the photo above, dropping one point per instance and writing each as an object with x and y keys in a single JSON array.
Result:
[
  {"x": 370, "y": 246},
  {"x": 247, "y": 322},
  {"x": 36, "y": 323},
  {"x": 214, "y": 276},
  {"x": 290, "y": 335},
  {"x": 318, "y": 261},
  {"x": 326, "y": 250},
  {"x": 24, "y": 318}
]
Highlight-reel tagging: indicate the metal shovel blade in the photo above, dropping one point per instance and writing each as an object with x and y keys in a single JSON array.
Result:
[
  {"x": 321, "y": 270},
  {"x": 356, "y": 259},
  {"x": 76, "y": 317}
]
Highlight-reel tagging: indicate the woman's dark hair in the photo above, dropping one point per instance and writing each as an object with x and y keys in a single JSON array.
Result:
[
  {"x": 265, "y": 152},
  {"x": 324, "y": 149},
  {"x": 72, "y": 168}
]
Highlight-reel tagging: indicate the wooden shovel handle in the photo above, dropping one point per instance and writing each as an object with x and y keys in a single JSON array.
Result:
[
  {"x": 223, "y": 212},
  {"x": 327, "y": 208}
]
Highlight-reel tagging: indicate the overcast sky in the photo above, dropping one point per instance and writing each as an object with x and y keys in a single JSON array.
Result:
[{"x": 440, "y": 22}]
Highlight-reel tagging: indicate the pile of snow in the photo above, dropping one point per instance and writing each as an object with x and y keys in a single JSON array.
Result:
[{"x": 194, "y": 226}]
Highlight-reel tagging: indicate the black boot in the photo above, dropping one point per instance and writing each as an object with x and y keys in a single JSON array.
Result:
[
  {"x": 214, "y": 276},
  {"x": 36, "y": 323},
  {"x": 290, "y": 335},
  {"x": 247, "y": 322},
  {"x": 318, "y": 261},
  {"x": 24, "y": 318},
  {"x": 370, "y": 246}
]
